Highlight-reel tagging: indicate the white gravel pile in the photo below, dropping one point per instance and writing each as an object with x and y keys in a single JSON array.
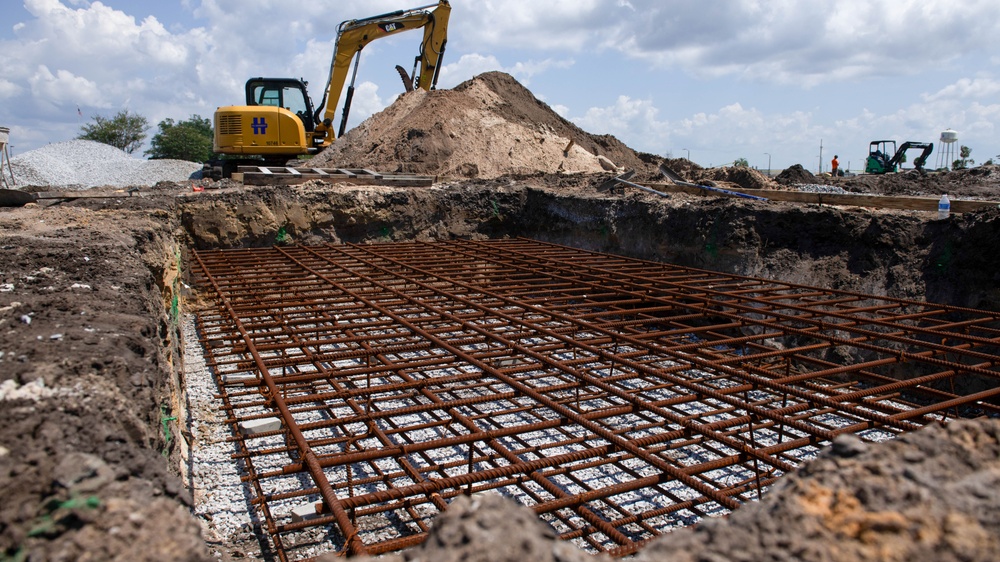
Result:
[
  {"x": 817, "y": 188},
  {"x": 83, "y": 163}
]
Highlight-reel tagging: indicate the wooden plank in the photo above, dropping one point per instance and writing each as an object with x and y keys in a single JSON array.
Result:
[
  {"x": 847, "y": 199},
  {"x": 272, "y": 176}
]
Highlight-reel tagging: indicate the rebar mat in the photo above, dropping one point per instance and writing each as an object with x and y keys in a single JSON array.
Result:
[{"x": 368, "y": 385}]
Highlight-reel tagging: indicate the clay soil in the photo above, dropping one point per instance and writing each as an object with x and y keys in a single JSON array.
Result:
[{"x": 92, "y": 425}]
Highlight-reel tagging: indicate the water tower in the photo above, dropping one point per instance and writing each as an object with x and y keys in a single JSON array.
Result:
[
  {"x": 5, "y": 157},
  {"x": 946, "y": 156}
]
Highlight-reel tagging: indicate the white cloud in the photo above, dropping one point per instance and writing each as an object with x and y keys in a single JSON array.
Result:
[
  {"x": 966, "y": 88},
  {"x": 8, "y": 89},
  {"x": 466, "y": 67},
  {"x": 555, "y": 24},
  {"x": 366, "y": 102},
  {"x": 800, "y": 43},
  {"x": 61, "y": 87},
  {"x": 627, "y": 117},
  {"x": 474, "y": 64},
  {"x": 732, "y": 131}
]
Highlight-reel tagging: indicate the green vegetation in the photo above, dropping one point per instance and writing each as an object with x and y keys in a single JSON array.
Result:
[
  {"x": 741, "y": 163},
  {"x": 964, "y": 161},
  {"x": 189, "y": 140},
  {"x": 125, "y": 130}
]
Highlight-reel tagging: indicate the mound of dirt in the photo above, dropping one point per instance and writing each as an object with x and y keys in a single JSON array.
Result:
[
  {"x": 487, "y": 127},
  {"x": 981, "y": 182},
  {"x": 683, "y": 166},
  {"x": 928, "y": 495},
  {"x": 490, "y": 528},
  {"x": 736, "y": 176},
  {"x": 795, "y": 174}
]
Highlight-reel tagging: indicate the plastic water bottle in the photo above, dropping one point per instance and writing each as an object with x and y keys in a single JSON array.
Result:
[{"x": 944, "y": 207}]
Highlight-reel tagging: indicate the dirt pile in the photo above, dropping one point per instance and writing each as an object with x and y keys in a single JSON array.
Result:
[
  {"x": 732, "y": 177},
  {"x": 929, "y": 495},
  {"x": 795, "y": 174},
  {"x": 488, "y": 527},
  {"x": 981, "y": 182},
  {"x": 487, "y": 127}
]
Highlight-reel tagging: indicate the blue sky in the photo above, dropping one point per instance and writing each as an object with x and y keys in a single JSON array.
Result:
[{"x": 718, "y": 80}]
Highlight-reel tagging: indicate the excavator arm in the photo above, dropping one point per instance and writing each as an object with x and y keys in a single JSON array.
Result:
[
  {"x": 919, "y": 161},
  {"x": 354, "y": 35}
]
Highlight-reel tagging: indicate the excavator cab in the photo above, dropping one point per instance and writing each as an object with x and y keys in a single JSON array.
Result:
[
  {"x": 879, "y": 154},
  {"x": 283, "y": 92}
]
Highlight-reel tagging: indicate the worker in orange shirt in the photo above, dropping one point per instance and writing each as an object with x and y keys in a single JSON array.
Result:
[{"x": 835, "y": 166}]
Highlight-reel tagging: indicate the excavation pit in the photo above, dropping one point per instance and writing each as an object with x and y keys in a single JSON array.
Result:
[{"x": 617, "y": 398}]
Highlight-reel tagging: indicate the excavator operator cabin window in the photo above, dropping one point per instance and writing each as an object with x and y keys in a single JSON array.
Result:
[
  {"x": 293, "y": 100},
  {"x": 290, "y": 97},
  {"x": 267, "y": 96}
]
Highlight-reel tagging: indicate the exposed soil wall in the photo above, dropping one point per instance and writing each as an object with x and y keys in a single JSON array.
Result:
[
  {"x": 898, "y": 254},
  {"x": 89, "y": 350}
]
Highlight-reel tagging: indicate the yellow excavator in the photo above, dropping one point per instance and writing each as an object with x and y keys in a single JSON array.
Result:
[{"x": 279, "y": 122}]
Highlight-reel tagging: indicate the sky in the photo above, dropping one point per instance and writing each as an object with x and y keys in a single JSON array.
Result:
[{"x": 776, "y": 82}]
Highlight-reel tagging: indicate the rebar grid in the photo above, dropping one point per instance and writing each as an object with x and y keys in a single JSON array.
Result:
[{"x": 618, "y": 398}]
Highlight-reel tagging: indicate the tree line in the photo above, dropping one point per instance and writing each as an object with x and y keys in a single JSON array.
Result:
[{"x": 189, "y": 140}]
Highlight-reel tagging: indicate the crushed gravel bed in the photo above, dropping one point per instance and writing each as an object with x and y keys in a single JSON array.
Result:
[
  {"x": 83, "y": 164},
  {"x": 816, "y": 188}
]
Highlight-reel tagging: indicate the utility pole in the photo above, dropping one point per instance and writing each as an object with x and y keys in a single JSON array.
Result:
[
  {"x": 768, "y": 164},
  {"x": 821, "y": 156}
]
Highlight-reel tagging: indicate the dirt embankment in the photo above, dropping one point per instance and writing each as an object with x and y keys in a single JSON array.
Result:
[
  {"x": 899, "y": 254},
  {"x": 87, "y": 352}
]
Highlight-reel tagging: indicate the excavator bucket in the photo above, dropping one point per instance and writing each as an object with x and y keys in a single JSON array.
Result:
[{"x": 407, "y": 79}]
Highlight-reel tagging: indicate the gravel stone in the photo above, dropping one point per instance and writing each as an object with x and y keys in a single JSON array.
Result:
[{"x": 83, "y": 164}]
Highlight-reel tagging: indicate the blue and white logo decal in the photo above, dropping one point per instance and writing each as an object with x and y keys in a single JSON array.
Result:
[{"x": 259, "y": 126}]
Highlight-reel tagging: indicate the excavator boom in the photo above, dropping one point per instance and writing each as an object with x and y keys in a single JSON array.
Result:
[
  {"x": 919, "y": 161},
  {"x": 354, "y": 35}
]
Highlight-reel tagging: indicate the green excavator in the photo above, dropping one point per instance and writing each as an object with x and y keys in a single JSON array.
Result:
[{"x": 883, "y": 158}]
